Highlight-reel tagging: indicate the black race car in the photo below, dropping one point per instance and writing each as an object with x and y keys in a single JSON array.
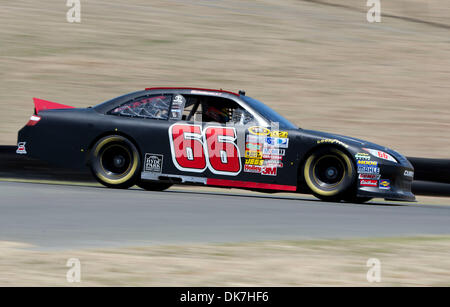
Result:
[{"x": 162, "y": 136}]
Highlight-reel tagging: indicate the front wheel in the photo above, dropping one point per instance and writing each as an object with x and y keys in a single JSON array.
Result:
[
  {"x": 330, "y": 174},
  {"x": 114, "y": 162}
]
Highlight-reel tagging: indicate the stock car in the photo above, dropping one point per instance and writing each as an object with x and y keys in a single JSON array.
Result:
[{"x": 158, "y": 137}]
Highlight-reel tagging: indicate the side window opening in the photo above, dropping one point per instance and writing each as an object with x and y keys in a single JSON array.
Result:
[
  {"x": 222, "y": 110},
  {"x": 152, "y": 107},
  {"x": 208, "y": 109},
  {"x": 191, "y": 108}
]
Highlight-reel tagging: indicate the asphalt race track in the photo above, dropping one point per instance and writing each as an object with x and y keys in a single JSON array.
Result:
[{"x": 64, "y": 216}]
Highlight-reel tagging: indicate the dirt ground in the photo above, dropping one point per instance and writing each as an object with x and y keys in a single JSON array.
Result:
[
  {"x": 321, "y": 65},
  {"x": 421, "y": 261}
]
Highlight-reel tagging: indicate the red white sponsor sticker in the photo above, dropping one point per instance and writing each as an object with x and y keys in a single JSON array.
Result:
[
  {"x": 273, "y": 163},
  {"x": 272, "y": 157},
  {"x": 381, "y": 154},
  {"x": 369, "y": 176},
  {"x": 21, "y": 150},
  {"x": 252, "y": 168},
  {"x": 368, "y": 183}
]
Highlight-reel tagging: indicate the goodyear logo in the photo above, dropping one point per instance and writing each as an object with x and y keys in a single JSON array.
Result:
[
  {"x": 252, "y": 161},
  {"x": 368, "y": 163},
  {"x": 257, "y": 130},
  {"x": 332, "y": 141}
]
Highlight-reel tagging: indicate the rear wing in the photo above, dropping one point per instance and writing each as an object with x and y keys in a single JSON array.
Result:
[{"x": 41, "y": 105}]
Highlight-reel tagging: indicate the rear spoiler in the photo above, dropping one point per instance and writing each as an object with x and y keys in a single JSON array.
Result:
[{"x": 41, "y": 105}]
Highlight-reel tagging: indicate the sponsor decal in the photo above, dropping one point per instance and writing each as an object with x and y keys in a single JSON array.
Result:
[
  {"x": 206, "y": 93},
  {"x": 368, "y": 163},
  {"x": 270, "y": 171},
  {"x": 255, "y": 138},
  {"x": 362, "y": 156},
  {"x": 257, "y": 130},
  {"x": 273, "y": 151},
  {"x": 368, "y": 170},
  {"x": 273, "y": 163},
  {"x": 369, "y": 176},
  {"x": 195, "y": 149},
  {"x": 253, "y": 154},
  {"x": 385, "y": 184},
  {"x": 368, "y": 183},
  {"x": 409, "y": 174},
  {"x": 272, "y": 157},
  {"x": 253, "y": 146},
  {"x": 380, "y": 154},
  {"x": 277, "y": 142},
  {"x": 252, "y": 169},
  {"x": 21, "y": 150},
  {"x": 153, "y": 163},
  {"x": 252, "y": 161},
  {"x": 279, "y": 134},
  {"x": 332, "y": 141}
]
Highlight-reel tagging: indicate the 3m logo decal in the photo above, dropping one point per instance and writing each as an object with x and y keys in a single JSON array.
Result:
[
  {"x": 271, "y": 171},
  {"x": 215, "y": 148}
]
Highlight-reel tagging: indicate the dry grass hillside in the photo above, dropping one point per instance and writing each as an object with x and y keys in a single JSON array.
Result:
[{"x": 320, "y": 63}]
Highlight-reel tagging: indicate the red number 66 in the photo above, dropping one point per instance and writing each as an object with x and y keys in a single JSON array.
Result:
[{"x": 215, "y": 149}]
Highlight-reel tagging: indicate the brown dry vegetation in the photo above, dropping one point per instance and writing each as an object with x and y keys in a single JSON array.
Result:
[
  {"x": 322, "y": 66},
  {"x": 404, "y": 261}
]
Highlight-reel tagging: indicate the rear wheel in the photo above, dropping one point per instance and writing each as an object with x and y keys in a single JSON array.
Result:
[
  {"x": 330, "y": 174},
  {"x": 115, "y": 162},
  {"x": 153, "y": 186}
]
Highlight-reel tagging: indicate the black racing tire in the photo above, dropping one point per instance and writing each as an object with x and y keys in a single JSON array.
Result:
[
  {"x": 115, "y": 162},
  {"x": 330, "y": 174},
  {"x": 153, "y": 186}
]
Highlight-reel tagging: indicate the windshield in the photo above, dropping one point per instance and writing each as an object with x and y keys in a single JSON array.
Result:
[{"x": 268, "y": 113}]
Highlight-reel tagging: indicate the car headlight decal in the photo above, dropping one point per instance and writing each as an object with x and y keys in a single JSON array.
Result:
[{"x": 381, "y": 155}]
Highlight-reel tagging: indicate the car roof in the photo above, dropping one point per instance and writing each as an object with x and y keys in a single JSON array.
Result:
[{"x": 192, "y": 89}]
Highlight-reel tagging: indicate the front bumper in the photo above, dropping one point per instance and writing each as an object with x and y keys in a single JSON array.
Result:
[{"x": 400, "y": 184}]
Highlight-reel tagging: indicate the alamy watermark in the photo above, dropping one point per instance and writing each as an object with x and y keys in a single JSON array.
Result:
[
  {"x": 374, "y": 273},
  {"x": 74, "y": 273},
  {"x": 74, "y": 12},
  {"x": 374, "y": 13}
]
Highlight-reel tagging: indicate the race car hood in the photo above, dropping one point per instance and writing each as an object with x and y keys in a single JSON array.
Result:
[{"x": 358, "y": 143}]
